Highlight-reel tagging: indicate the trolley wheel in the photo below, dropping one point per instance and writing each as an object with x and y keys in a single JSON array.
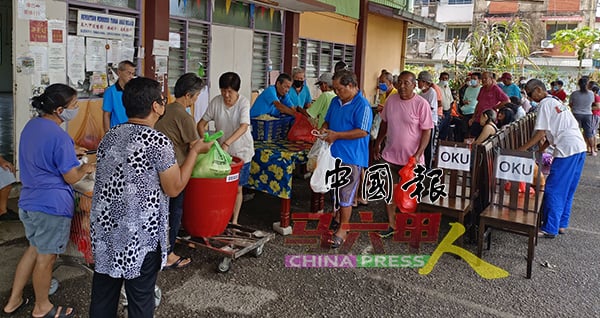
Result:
[
  {"x": 53, "y": 286},
  {"x": 257, "y": 252},
  {"x": 224, "y": 266}
]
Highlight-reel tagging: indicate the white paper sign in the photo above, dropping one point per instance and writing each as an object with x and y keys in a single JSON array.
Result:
[
  {"x": 160, "y": 47},
  {"x": 31, "y": 9},
  {"x": 455, "y": 158},
  {"x": 76, "y": 57},
  {"x": 105, "y": 26},
  {"x": 174, "y": 40},
  {"x": 513, "y": 168},
  {"x": 95, "y": 55}
]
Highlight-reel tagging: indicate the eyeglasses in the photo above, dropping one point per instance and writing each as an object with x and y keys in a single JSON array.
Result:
[{"x": 162, "y": 100}]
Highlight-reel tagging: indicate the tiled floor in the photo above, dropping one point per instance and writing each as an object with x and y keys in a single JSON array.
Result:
[{"x": 6, "y": 126}]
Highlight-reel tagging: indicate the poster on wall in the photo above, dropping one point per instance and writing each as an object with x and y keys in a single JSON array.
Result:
[
  {"x": 38, "y": 31},
  {"x": 95, "y": 55},
  {"x": 31, "y": 9},
  {"x": 76, "y": 56},
  {"x": 56, "y": 51},
  {"x": 39, "y": 77},
  {"x": 105, "y": 26}
]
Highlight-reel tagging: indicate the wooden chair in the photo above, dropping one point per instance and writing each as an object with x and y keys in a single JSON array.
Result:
[
  {"x": 461, "y": 187},
  {"x": 511, "y": 210}
]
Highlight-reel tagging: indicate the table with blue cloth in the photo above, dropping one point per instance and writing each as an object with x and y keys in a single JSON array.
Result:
[{"x": 272, "y": 170}]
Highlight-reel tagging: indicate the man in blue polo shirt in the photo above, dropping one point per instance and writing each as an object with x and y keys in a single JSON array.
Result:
[
  {"x": 346, "y": 127},
  {"x": 299, "y": 93},
  {"x": 274, "y": 100},
  {"x": 112, "y": 105}
]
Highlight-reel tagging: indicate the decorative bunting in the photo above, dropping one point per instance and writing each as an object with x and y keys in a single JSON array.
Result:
[
  {"x": 227, "y": 6},
  {"x": 271, "y": 12},
  {"x": 252, "y": 10},
  {"x": 185, "y": 3},
  {"x": 198, "y": 3},
  {"x": 262, "y": 12}
]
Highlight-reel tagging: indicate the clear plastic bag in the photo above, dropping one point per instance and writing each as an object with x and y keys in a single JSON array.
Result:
[{"x": 314, "y": 153}]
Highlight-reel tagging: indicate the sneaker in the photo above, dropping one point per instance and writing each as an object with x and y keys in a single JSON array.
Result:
[{"x": 387, "y": 233}]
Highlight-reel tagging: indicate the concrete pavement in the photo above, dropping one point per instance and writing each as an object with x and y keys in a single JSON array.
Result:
[{"x": 263, "y": 287}]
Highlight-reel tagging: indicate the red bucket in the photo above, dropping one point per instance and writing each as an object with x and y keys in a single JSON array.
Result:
[{"x": 208, "y": 203}]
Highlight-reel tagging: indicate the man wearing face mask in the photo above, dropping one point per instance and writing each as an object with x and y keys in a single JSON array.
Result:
[
  {"x": 557, "y": 90},
  {"x": 299, "y": 93},
  {"x": 468, "y": 107},
  {"x": 447, "y": 100},
  {"x": 386, "y": 88}
]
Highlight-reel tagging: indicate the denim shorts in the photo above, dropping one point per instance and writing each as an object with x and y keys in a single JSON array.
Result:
[
  {"x": 49, "y": 234},
  {"x": 585, "y": 122},
  {"x": 244, "y": 174}
]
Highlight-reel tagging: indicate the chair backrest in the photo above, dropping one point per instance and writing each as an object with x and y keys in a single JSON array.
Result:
[
  {"x": 516, "y": 168},
  {"x": 459, "y": 163},
  {"x": 486, "y": 154}
]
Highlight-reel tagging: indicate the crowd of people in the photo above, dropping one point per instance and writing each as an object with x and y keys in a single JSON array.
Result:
[{"x": 146, "y": 157}]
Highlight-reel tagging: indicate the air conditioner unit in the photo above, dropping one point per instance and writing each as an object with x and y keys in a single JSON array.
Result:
[
  {"x": 546, "y": 44},
  {"x": 422, "y": 48}
]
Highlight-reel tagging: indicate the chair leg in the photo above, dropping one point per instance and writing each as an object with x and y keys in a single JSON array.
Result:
[
  {"x": 530, "y": 253},
  {"x": 480, "y": 240},
  {"x": 489, "y": 238}
]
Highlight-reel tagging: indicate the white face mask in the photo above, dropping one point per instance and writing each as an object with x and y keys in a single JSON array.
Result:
[
  {"x": 443, "y": 83},
  {"x": 68, "y": 113}
]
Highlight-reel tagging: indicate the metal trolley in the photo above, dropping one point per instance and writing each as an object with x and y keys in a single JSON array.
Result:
[{"x": 233, "y": 243}]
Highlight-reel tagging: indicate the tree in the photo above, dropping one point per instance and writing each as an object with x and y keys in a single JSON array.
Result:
[
  {"x": 576, "y": 40},
  {"x": 498, "y": 45}
]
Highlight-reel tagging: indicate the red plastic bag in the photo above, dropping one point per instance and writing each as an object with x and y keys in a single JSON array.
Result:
[
  {"x": 402, "y": 198},
  {"x": 301, "y": 130},
  {"x": 507, "y": 187},
  {"x": 90, "y": 133}
]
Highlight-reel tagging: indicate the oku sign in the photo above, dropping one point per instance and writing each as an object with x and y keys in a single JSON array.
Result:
[
  {"x": 455, "y": 158},
  {"x": 513, "y": 168}
]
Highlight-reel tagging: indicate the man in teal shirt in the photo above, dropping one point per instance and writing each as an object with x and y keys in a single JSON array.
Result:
[
  {"x": 274, "y": 100},
  {"x": 299, "y": 93}
]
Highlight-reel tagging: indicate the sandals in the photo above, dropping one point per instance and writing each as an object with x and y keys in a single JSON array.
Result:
[
  {"x": 57, "y": 311},
  {"x": 178, "y": 265},
  {"x": 24, "y": 302},
  {"x": 336, "y": 241}
]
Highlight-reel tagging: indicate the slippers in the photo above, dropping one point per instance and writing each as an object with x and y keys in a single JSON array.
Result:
[
  {"x": 178, "y": 264},
  {"x": 562, "y": 230},
  {"x": 24, "y": 302},
  {"x": 57, "y": 311},
  {"x": 336, "y": 241}
]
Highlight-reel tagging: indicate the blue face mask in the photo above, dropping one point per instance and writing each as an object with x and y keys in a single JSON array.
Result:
[
  {"x": 474, "y": 82},
  {"x": 555, "y": 88},
  {"x": 383, "y": 87},
  {"x": 534, "y": 104}
]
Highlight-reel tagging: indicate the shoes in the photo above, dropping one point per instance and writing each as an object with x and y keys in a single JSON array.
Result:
[
  {"x": 180, "y": 263},
  {"x": 24, "y": 302},
  {"x": 336, "y": 241},
  {"x": 387, "y": 233},
  {"x": 58, "y": 311},
  {"x": 562, "y": 230},
  {"x": 546, "y": 235},
  {"x": 10, "y": 215}
]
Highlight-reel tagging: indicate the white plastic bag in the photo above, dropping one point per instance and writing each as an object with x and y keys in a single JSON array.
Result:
[
  {"x": 375, "y": 126},
  {"x": 325, "y": 162},
  {"x": 314, "y": 153}
]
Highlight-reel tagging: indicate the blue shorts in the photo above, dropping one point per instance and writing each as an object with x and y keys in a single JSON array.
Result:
[
  {"x": 6, "y": 178},
  {"x": 49, "y": 234},
  {"x": 244, "y": 174}
]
